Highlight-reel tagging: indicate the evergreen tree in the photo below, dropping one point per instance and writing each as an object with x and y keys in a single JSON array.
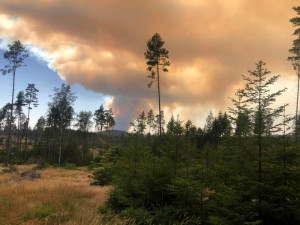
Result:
[
  {"x": 99, "y": 117},
  {"x": 31, "y": 100},
  {"x": 150, "y": 120},
  {"x": 239, "y": 114},
  {"x": 257, "y": 91},
  {"x": 295, "y": 59},
  {"x": 109, "y": 118},
  {"x": 209, "y": 122},
  {"x": 208, "y": 127},
  {"x": 20, "y": 102},
  {"x": 139, "y": 124},
  {"x": 157, "y": 57},
  {"x": 142, "y": 123},
  {"x": 39, "y": 128},
  {"x": 15, "y": 55},
  {"x": 3, "y": 114},
  {"x": 61, "y": 111},
  {"x": 84, "y": 123}
]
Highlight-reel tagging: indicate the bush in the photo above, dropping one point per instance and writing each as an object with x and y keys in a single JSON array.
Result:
[
  {"x": 102, "y": 209},
  {"x": 94, "y": 165},
  {"x": 117, "y": 201},
  {"x": 44, "y": 211},
  {"x": 10, "y": 169},
  {"x": 103, "y": 176},
  {"x": 70, "y": 166},
  {"x": 97, "y": 159},
  {"x": 42, "y": 165},
  {"x": 139, "y": 215}
]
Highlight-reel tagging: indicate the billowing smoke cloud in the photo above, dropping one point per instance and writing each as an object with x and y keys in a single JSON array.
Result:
[{"x": 99, "y": 44}]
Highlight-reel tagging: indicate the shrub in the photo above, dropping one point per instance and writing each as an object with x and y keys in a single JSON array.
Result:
[
  {"x": 70, "y": 166},
  {"x": 139, "y": 215},
  {"x": 93, "y": 165},
  {"x": 10, "y": 169},
  {"x": 42, "y": 165},
  {"x": 117, "y": 201},
  {"x": 103, "y": 176},
  {"x": 102, "y": 209},
  {"x": 97, "y": 159},
  {"x": 44, "y": 211}
]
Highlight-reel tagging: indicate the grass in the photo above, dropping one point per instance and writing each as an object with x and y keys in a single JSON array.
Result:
[{"x": 60, "y": 197}]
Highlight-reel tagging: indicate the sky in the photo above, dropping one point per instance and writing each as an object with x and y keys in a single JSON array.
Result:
[{"x": 98, "y": 46}]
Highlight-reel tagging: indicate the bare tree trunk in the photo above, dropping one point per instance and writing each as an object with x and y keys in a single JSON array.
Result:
[
  {"x": 158, "y": 88},
  {"x": 297, "y": 103},
  {"x": 83, "y": 147},
  {"x": 284, "y": 146},
  {"x": 60, "y": 138},
  {"x": 8, "y": 146},
  {"x": 18, "y": 137},
  {"x": 26, "y": 130}
]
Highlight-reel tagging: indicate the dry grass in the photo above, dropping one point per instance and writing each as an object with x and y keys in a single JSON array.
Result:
[{"x": 59, "y": 197}]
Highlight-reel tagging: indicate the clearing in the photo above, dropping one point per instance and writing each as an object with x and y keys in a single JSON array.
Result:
[{"x": 60, "y": 196}]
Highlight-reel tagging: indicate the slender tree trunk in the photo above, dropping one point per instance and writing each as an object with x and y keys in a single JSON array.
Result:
[
  {"x": 83, "y": 147},
  {"x": 297, "y": 103},
  {"x": 259, "y": 156},
  {"x": 26, "y": 131},
  {"x": 176, "y": 154},
  {"x": 8, "y": 146},
  {"x": 260, "y": 123},
  {"x": 259, "y": 132},
  {"x": 202, "y": 179},
  {"x": 52, "y": 143},
  {"x": 158, "y": 89},
  {"x": 135, "y": 157},
  {"x": 18, "y": 137},
  {"x": 60, "y": 139},
  {"x": 284, "y": 147}
]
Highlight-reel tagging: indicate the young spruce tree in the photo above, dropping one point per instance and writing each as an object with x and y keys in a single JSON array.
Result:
[{"x": 257, "y": 91}]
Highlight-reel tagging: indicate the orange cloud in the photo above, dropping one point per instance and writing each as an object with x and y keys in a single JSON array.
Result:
[{"x": 99, "y": 44}]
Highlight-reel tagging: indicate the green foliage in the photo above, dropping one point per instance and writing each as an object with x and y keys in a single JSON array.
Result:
[
  {"x": 42, "y": 165},
  {"x": 94, "y": 165},
  {"x": 70, "y": 166},
  {"x": 209, "y": 176},
  {"x": 117, "y": 201},
  {"x": 97, "y": 159},
  {"x": 295, "y": 50},
  {"x": 44, "y": 211},
  {"x": 15, "y": 56},
  {"x": 102, "y": 209},
  {"x": 140, "y": 216},
  {"x": 71, "y": 153},
  {"x": 157, "y": 56},
  {"x": 157, "y": 60},
  {"x": 10, "y": 169},
  {"x": 103, "y": 176}
]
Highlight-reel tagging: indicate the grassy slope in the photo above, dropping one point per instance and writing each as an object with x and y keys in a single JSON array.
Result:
[{"x": 60, "y": 197}]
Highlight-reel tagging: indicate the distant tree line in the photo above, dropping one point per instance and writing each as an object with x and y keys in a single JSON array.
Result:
[{"x": 52, "y": 138}]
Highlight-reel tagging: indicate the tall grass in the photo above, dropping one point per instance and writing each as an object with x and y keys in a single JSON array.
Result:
[{"x": 60, "y": 197}]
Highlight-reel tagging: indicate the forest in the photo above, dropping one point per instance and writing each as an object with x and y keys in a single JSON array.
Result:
[{"x": 242, "y": 167}]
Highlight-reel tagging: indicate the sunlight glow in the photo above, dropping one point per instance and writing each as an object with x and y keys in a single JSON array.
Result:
[{"x": 7, "y": 22}]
